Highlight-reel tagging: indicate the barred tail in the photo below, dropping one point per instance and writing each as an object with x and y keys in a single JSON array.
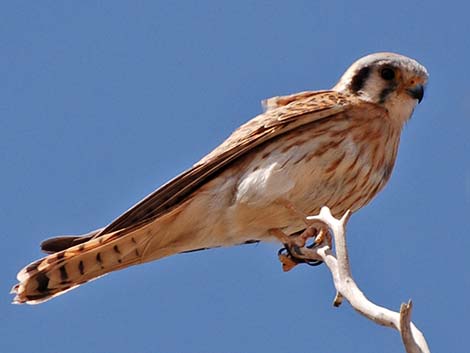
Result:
[{"x": 62, "y": 271}]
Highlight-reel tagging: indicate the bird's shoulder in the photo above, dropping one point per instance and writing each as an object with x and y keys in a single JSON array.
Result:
[{"x": 282, "y": 114}]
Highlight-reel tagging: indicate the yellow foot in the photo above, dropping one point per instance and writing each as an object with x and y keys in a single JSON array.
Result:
[{"x": 323, "y": 236}]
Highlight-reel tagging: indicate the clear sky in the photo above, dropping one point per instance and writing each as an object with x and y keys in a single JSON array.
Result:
[{"x": 102, "y": 102}]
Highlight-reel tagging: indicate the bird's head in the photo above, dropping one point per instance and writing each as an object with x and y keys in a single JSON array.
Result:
[{"x": 394, "y": 81}]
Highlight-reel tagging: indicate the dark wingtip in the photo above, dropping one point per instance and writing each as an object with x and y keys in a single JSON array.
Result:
[{"x": 56, "y": 244}]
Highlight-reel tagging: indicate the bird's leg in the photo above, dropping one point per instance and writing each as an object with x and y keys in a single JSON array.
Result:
[
  {"x": 293, "y": 209},
  {"x": 297, "y": 248},
  {"x": 319, "y": 237},
  {"x": 288, "y": 262}
]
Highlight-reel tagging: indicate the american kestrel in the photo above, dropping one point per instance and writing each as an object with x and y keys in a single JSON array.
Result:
[{"x": 332, "y": 148}]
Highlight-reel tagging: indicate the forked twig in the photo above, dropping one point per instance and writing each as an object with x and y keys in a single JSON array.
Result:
[{"x": 413, "y": 339}]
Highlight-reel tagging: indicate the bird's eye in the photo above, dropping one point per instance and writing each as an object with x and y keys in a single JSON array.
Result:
[{"x": 387, "y": 74}]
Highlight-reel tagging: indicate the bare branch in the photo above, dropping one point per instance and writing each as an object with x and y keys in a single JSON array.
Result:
[{"x": 347, "y": 288}]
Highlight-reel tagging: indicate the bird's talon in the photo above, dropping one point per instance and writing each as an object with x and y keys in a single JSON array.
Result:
[
  {"x": 292, "y": 257},
  {"x": 297, "y": 251},
  {"x": 323, "y": 236},
  {"x": 287, "y": 261}
]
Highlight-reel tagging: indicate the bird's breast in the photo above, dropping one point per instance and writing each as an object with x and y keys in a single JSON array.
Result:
[{"x": 337, "y": 164}]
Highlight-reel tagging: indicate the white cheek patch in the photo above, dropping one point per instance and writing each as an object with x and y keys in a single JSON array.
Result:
[{"x": 373, "y": 88}]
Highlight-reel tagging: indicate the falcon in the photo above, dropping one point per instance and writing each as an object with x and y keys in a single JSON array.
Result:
[{"x": 334, "y": 148}]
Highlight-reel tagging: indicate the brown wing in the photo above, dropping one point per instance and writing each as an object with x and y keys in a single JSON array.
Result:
[{"x": 290, "y": 113}]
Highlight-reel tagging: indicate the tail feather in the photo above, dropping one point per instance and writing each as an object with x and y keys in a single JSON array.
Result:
[{"x": 62, "y": 271}]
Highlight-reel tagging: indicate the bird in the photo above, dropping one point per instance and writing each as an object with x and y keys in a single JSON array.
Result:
[{"x": 334, "y": 148}]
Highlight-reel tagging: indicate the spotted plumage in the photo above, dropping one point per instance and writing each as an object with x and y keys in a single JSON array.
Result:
[{"x": 332, "y": 148}]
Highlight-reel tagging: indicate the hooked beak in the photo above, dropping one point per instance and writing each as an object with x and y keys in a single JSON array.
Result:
[{"x": 416, "y": 92}]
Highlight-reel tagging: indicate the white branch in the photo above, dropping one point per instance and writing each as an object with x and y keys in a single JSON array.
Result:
[{"x": 412, "y": 338}]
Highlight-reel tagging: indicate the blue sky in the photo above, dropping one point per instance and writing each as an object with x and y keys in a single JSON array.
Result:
[{"x": 102, "y": 102}]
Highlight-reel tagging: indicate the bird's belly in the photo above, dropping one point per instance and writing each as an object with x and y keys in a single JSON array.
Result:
[{"x": 307, "y": 180}]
